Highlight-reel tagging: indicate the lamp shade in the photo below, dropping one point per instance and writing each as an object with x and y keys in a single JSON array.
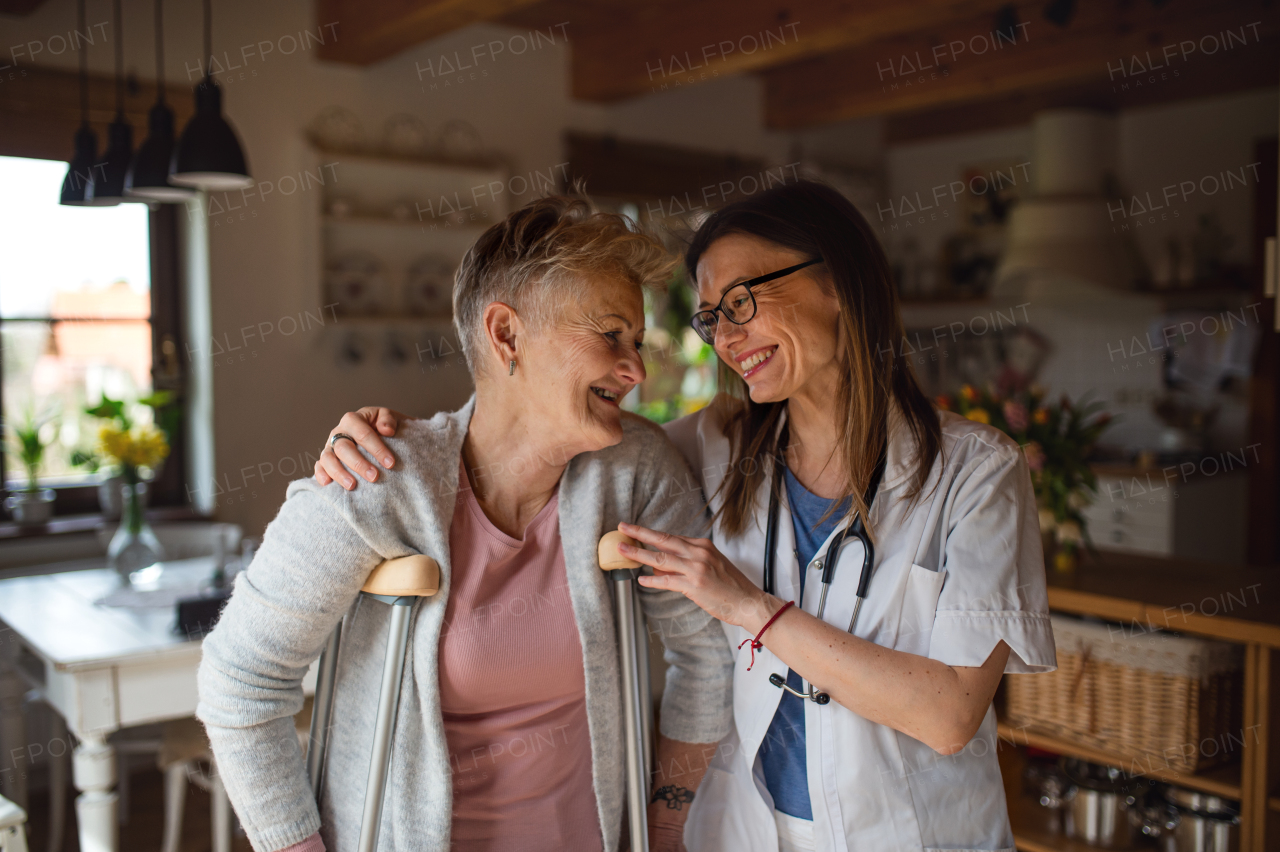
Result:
[
  {"x": 148, "y": 176},
  {"x": 83, "y": 164},
  {"x": 208, "y": 155},
  {"x": 106, "y": 184},
  {"x": 76, "y": 184}
]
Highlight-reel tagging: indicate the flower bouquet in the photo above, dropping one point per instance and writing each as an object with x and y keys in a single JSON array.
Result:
[
  {"x": 135, "y": 450},
  {"x": 1056, "y": 439}
]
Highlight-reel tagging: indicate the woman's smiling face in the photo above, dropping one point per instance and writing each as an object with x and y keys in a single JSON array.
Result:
[
  {"x": 577, "y": 369},
  {"x": 793, "y": 333}
]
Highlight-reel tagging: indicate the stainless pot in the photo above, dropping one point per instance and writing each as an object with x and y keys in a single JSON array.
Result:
[
  {"x": 1188, "y": 821},
  {"x": 1098, "y": 804}
]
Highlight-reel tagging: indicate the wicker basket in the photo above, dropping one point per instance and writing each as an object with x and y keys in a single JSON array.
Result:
[{"x": 1157, "y": 700}]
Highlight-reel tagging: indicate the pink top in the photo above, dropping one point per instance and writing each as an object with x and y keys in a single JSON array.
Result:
[
  {"x": 513, "y": 689},
  {"x": 311, "y": 844}
]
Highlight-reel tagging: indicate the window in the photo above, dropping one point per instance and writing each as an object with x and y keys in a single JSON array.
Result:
[{"x": 76, "y": 320}]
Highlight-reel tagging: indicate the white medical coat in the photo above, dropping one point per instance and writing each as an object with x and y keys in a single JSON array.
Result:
[{"x": 955, "y": 572}]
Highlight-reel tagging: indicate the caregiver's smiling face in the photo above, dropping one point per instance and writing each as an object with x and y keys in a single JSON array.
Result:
[{"x": 793, "y": 333}]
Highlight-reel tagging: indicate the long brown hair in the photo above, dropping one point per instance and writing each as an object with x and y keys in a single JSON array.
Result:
[{"x": 816, "y": 221}]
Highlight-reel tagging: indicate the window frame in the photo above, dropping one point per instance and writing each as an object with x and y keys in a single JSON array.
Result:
[{"x": 167, "y": 373}]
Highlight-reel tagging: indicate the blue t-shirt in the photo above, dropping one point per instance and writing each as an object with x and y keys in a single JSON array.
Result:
[{"x": 782, "y": 754}]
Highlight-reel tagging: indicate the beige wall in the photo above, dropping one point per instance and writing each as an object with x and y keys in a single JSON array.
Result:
[{"x": 274, "y": 400}]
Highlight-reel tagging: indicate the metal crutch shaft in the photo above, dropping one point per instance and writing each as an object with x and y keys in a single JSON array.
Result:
[
  {"x": 322, "y": 712},
  {"x": 633, "y": 728},
  {"x": 400, "y": 583},
  {"x": 384, "y": 727},
  {"x": 646, "y": 689},
  {"x": 623, "y": 572}
]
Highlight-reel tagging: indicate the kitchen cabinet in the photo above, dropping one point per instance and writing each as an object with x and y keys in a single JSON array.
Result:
[{"x": 1163, "y": 512}]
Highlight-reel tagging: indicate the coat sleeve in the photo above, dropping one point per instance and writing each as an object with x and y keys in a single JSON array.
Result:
[
  {"x": 994, "y": 587},
  {"x": 306, "y": 574},
  {"x": 697, "y": 699}
]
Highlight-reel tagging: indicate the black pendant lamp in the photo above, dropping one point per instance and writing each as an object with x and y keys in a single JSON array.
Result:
[
  {"x": 106, "y": 185},
  {"x": 76, "y": 184},
  {"x": 209, "y": 155},
  {"x": 148, "y": 177}
]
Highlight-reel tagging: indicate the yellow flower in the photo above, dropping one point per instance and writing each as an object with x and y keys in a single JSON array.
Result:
[
  {"x": 979, "y": 415},
  {"x": 1041, "y": 416},
  {"x": 691, "y": 404},
  {"x": 970, "y": 394},
  {"x": 141, "y": 446}
]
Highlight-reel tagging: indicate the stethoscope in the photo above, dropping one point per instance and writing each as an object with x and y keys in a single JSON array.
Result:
[{"x": 828, "y": 565}]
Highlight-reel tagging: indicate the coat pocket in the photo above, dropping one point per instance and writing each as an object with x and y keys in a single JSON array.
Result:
[{"x": 919, "y": 606}]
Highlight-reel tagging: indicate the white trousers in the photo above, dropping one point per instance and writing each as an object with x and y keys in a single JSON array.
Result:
[{"x": 794, "y": 834}]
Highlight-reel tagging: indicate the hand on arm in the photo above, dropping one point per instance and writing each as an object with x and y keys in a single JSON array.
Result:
[
  {"x": 676, "y": 776},
  {"x": 367, "y": 427},
  {"x": 940, "y": 705}
]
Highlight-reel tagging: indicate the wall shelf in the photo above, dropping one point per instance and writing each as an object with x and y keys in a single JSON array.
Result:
[
  {"x": 424, "y": 225},
  {"x": 1035, "y": 828},
  {"x": 380, "y": 321},
  {"x": 1220, "y": 780},
  {"x": 394, "y": 272},
  {"x": 462, "y": 164},
  {"x": 1146, "y": 593}
]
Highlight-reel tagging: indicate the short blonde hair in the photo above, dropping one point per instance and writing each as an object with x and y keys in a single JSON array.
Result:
[{"x": 540, "y": 255}]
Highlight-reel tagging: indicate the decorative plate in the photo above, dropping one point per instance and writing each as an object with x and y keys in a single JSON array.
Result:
[
  {"x": 428, "y": 289},
  {"x": 357, "y": 283}
]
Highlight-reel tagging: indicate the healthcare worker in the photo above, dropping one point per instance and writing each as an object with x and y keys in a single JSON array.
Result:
[{"x": 862, "y": 724}]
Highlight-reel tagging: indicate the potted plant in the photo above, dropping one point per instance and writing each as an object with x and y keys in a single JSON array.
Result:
[
  {"x": 1056, "y": 440},
  {"x": 32, "y": 505}
]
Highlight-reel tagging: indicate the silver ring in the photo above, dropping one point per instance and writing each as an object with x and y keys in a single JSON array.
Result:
[{"x": 338, "y": 435}]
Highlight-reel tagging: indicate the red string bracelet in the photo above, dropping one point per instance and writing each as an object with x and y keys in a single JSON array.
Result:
[{"x": 756, "y": 645}]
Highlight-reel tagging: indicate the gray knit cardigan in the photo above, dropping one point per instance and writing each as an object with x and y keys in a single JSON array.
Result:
[{"x": 307, "y": 575}]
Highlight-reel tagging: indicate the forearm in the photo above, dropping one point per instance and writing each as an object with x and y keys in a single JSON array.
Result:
[
  {"x": 263, "y": 770},
  {"x": 678, "y": 771},
  {"x": 923, "y": 698}
]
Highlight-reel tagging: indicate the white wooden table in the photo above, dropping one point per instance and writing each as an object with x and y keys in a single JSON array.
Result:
[{"x": 102, "y": 668}]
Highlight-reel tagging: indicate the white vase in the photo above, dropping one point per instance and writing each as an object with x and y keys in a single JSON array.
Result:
[
  {"x": 109, "y": 496},
  {"x": 135, "y": 552}
]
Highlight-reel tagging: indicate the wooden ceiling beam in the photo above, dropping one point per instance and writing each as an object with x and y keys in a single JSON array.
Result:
[
  {"x": 621, "y": 50},
  {"x": 368, "y": 31},
  {"x": 1105, "y": 47},
  {"x": 19, "y": 8},
  {"x": 1220, "y": 75},
  {"x": 40, "y": 110}
]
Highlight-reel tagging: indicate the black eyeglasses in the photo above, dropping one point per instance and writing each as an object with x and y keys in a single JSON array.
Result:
[{"x": 738, "y": 304}]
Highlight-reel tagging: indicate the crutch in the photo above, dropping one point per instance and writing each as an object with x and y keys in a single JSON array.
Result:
[
  {"x": 398, "y": 583},
  {"x": 623, "y": 572}
]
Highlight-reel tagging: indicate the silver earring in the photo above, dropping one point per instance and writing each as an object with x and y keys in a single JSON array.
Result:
[{"x": 512, "y": 371}]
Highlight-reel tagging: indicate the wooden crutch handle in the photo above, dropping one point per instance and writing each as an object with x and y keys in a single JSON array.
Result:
[
  {"x": 607, "y": 552},
  {"x": 409, "y": 576}
]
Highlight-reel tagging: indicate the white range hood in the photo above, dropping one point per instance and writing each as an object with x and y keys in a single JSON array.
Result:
[
  {"x": 1060, "y": 244},
  {"x": 1074, "y": 277}
]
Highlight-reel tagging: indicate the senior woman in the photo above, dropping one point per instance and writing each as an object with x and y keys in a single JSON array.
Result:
[
  {"x": 860, "y": 722},
  {"x": 509, "y": 732}
]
